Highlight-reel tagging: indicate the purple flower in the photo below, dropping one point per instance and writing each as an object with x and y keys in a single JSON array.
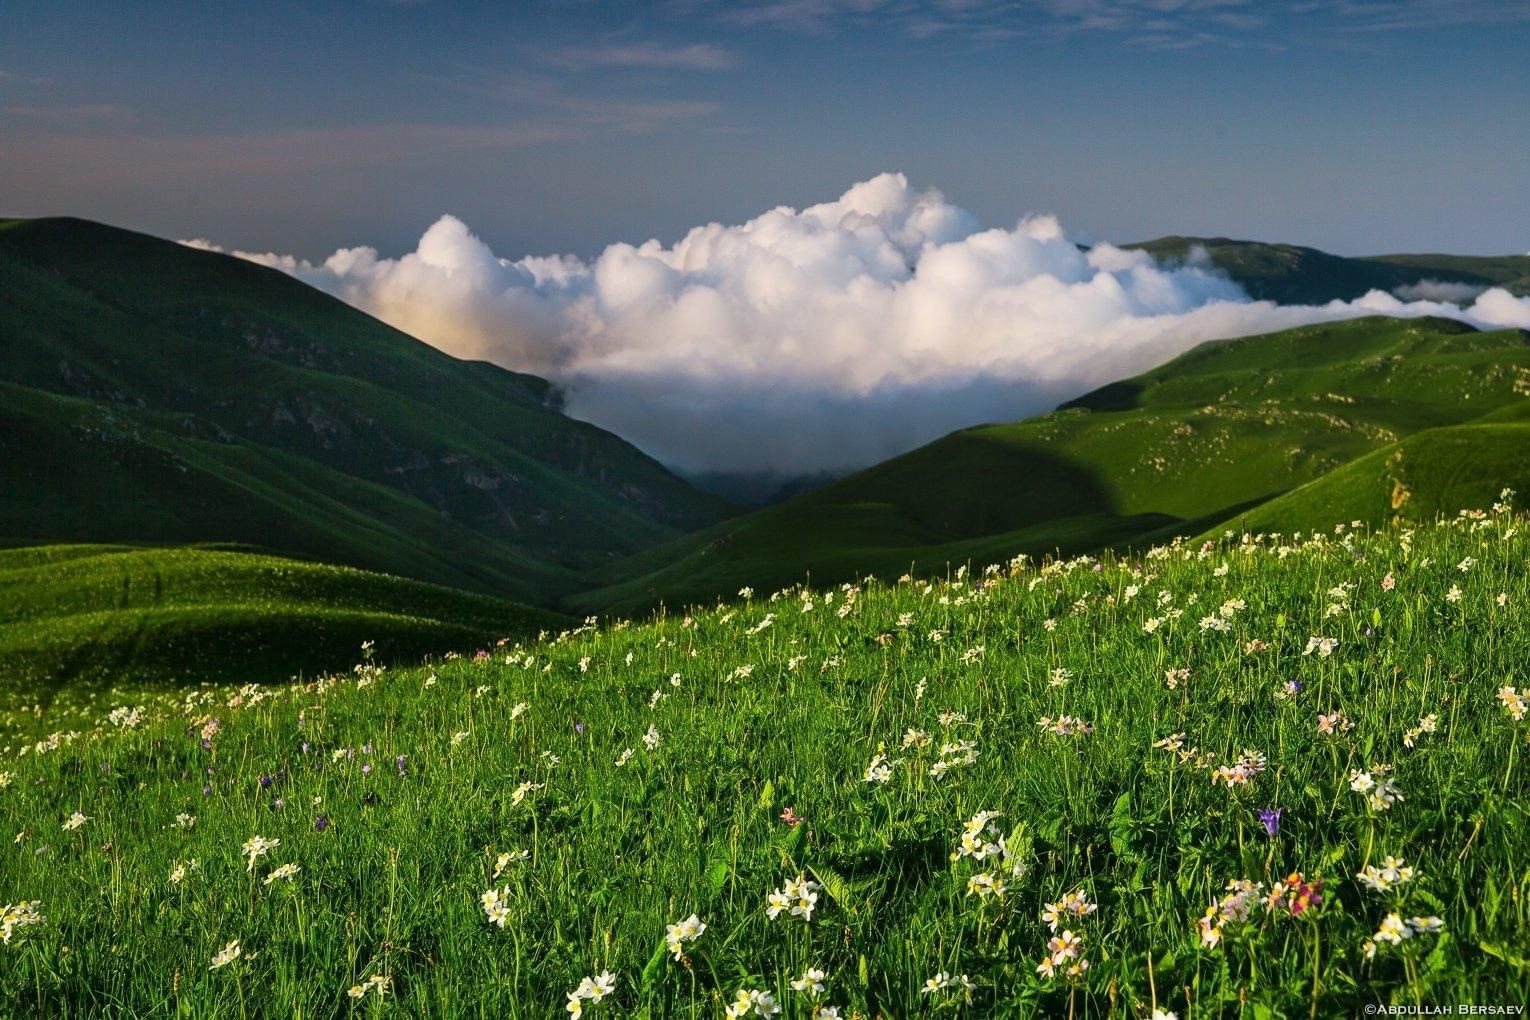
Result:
[
  {"x": 398, "y": 763},
  {"x": 579, "y": 728},
  {"x": 265, "y": 782},
  {"x": 207, "y": 790},
  {"x": 366, "y": 769},
  {"x": 1270, "y": 819},
  {"x": 206, "y": 744},
  {"x": 1293, "y": 686},
  {"x": 321, "y": 823}
]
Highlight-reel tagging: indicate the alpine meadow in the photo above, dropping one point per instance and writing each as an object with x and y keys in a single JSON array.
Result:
[{"x": 768, "y": 509}]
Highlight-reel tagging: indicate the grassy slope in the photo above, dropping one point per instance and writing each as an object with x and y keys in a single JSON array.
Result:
[
  {"x": 1292, "y": 274},
  {"x": 78, "y": 618},
  {"x": 765, "y": 715},
  {"x": 1224, "y": 427},
  {"x": 258, "y": 367}
]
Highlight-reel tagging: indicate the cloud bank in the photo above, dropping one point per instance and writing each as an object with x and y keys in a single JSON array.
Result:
[{"x": 827, "y": 338}]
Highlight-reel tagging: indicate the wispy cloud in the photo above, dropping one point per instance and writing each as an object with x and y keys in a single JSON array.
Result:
[
  {"x": 646, "y": 55},
  {"x": 1155, "y": 24}
]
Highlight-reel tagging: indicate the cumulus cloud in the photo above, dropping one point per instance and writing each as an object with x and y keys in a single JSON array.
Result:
[{"x": 824, "y": 338}]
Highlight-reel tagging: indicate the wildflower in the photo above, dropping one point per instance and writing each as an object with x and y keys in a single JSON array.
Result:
[
  {"x": 1065, "y": 949},
  {"x": 505, "y": 859},
  {"x": 286, "y": 871},
  {"x": 879, "y": 771},
  {"x": 678, "y": 934},
  {"x": 1333, "y": 723},
  {"x": 227, "y": 955},
  {"x": 257, "y": 847},
  {"x": 1380, "y": 793},
  {"x": 321, "y": 823},
  {"x": 1270, "y": 819},
  {"x": 593, "y": 989},
  {"x": 380, "y": 982},
  {"x": 1428, "y": 724},
  {"x": 623, "y": 758},
  {"x": 752, "y": 1002},
  {"x": 1324, "y": 646},
  {"x": 651, "y": 739},
  {"x": 496, "y": 905},
  {"x": 799, "y": 897},
  {"x": 938, "y": 983},
  {"x": 810, "y": 982},
  {"x": 74, "y": 821},
  {"x": 520, "y": 793},
  {"x": 791, "y": 817},
  {"x": 1454, "y": 595},
  {"x": 1163, "y": 1014},
  {"x": 1295, "y": 894},
  {"x": 1241, "y": 772},
  {"x": 1388, "y": 583},
  {"x": 1064, "y": 726},
  {"x": 984, "y": 885},
  {"x": 21, "y": 915},
  {"x": 1074, "y": 904},
  {"x": 1392, "y": 873},
  {"x": 459, "y": 737},
  {"x": 1516, "y": 703},
  {"x": 915, "y": 738}
]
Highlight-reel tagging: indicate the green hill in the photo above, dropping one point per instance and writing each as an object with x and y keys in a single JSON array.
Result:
[
  {"x": 1292, "y": 274},
  {"x": 1228, "y": 426},
  {"x": 153, "y": 392},
  {"x": 77, "y": 619},
  {"x": 1261, "y": 779}
]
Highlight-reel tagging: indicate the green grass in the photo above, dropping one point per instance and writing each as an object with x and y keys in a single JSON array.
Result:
[
  {"x": 1226, "y": 427},
  {"x": 783, "y": 702},
  {"x": 199, "y": 397},
  {"x": 79, "y": 622}
]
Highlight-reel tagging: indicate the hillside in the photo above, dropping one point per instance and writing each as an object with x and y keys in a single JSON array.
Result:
[
  {"x": 1223, "y": 428},
  {"x": 198, "y": 397},
  {"x": 1293, "y": 274},
  {"x": 1264, "y": 778},
  {"x": 76, "y": 620}
]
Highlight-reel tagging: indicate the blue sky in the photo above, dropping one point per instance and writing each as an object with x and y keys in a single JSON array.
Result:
[{"x": 1354, "y": 125}]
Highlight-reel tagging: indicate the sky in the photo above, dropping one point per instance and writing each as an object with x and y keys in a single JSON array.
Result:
[
  {"x": 1358, "y": 126},
  {"x": 788, "y": 236}
]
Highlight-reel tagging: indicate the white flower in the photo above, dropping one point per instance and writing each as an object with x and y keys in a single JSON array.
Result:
[
  {"x": 74, "y": 821},
  {"x": 257, "y": 847},
  {"x": 286, "y": 871},
  {"x": 811, "y": 982},
  {"x": 651, "y": 739},
  {"x": 227, "y": 955},
  {"x": 752, "y": 1002},
  {"x": 678, "y": 934},
  {"x": 496, "y": 905}
]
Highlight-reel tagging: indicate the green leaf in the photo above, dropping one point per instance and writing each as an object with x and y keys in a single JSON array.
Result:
[
  {"x": 768, "y": 795},
  {"x": 654, "y": 969}
]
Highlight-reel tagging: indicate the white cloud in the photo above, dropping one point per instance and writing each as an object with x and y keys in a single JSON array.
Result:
[
  {"x": 825, "y": 338},
  {"x": 1438, "y": 290}
]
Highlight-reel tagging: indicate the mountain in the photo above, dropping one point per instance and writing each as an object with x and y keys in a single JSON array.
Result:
[
  {"x": 1227, "y": 427},
  {"x": 1292, "y": 274},
  {"x": 80, "y": 618},
  {"x": 151, "y": 392}
]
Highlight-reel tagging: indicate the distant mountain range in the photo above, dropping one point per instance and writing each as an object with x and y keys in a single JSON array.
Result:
[{"x": 155, "y": 394}]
